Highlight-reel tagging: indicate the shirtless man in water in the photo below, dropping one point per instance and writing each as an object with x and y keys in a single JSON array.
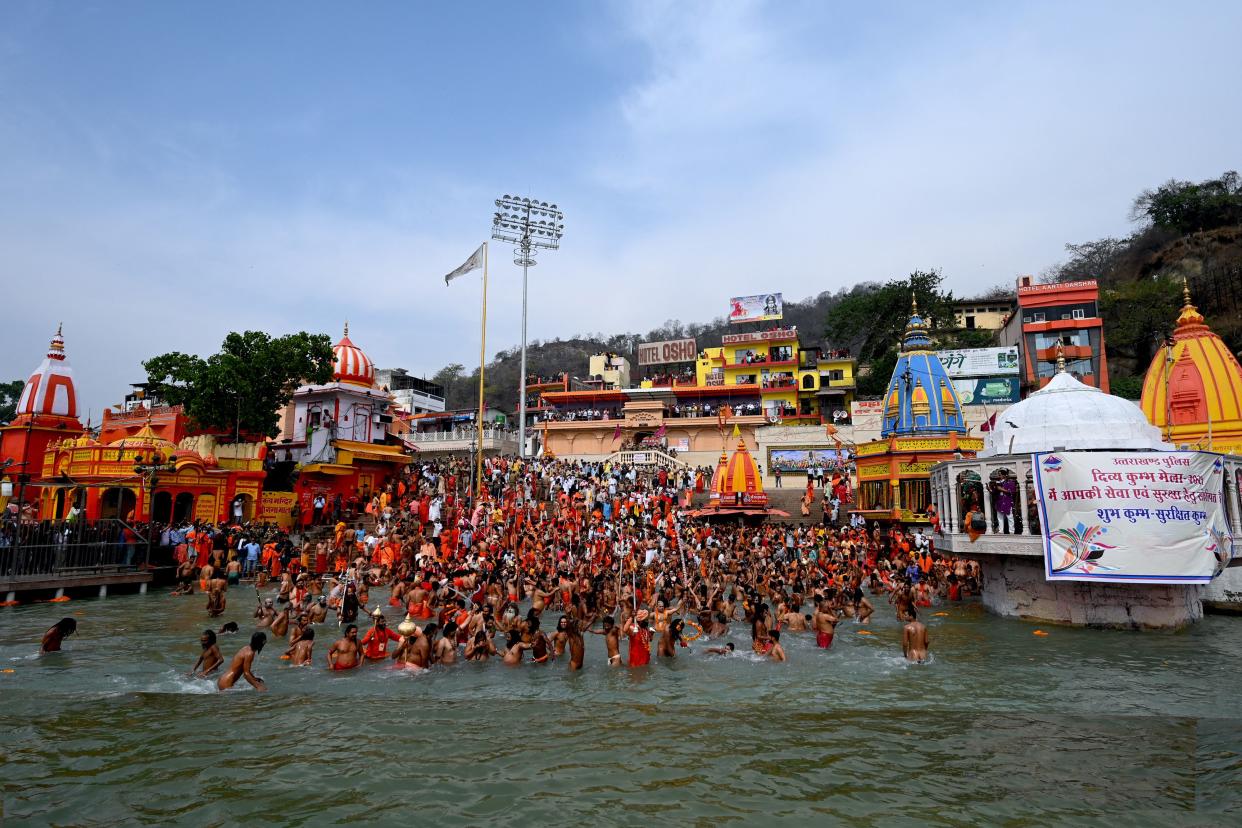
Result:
[
  {"x": 280, "y": 623},
  {"x": 446, "y": 647},
  {"x": 612, "y": 638},
  {"x": 242, "y": 664},
  {"x": 825, "y": 623},
  {"x": 216, "y": 603},
  {"x": 777, "y": 652},
  {"x": 210, "y": 659},
  {"x": 914, "y": 640},
  {"x": 577, "y": 648},
  {"x": 300, "y": 653},
  {"x": 344, "y": 653},
  {"x": 264, "y": 614}
]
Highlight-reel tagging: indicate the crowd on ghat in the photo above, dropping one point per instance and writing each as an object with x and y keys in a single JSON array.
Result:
[{"x": 601, "y": 548}]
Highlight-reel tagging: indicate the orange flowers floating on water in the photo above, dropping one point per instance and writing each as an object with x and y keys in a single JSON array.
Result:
[
  {"x": 62, "y": 599},
  {"x": 7, "y": 670},
  {"x": 939, "y": 614},
  {"x": 864, "y": 632},
  {"x": 1040, "y": 633}
]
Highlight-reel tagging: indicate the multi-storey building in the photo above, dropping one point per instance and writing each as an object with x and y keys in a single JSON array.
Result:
[{"x": 1054, "y": 320}]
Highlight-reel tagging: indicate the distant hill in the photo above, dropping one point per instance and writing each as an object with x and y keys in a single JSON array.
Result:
[{"x": 551, "y": 357}]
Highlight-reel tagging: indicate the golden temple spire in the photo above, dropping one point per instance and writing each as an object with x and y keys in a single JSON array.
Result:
[
  {"x": 1060, "y": 359},
  {"x": 1190, "y": 314},
  {"x": 914, "y": 303}
]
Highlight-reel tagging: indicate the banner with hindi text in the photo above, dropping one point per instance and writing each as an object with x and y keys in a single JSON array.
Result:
[{"x": 1133, "y": 517}]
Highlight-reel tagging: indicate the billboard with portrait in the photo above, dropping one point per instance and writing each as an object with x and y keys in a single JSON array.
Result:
[{"x": 762, "y": 307}]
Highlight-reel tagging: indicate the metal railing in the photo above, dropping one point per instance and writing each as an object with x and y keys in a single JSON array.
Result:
[
  {"x": 467, "y": 435},
  {"x": 648, "y": 458},
  {"x": 70, "y": 547}
]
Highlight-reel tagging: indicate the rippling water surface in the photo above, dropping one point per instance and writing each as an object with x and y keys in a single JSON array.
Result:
[{"x": 1003, "y": 727}]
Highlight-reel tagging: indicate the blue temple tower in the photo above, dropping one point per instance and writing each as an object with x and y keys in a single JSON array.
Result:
[{"x": 922, "y": 426}]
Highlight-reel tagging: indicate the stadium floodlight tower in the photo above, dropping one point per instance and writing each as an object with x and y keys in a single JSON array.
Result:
[{"x": 530, "y": 225}]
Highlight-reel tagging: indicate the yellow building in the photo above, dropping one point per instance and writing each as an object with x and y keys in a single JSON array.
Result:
[
  {"x": 795, "y": 384},
  {"x": 1193, "y": 388},
  {"x": 983, "y": 314}
]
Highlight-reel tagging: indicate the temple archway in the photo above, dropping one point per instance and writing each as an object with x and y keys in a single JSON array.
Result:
[{"x": 118, "y": 503}]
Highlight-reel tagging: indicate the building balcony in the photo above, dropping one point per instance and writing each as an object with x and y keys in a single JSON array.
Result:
[
  {"x": 1068, "y": 351},
  {"x": 495, "y": 441},
  {"x": 765, "y": 362}
]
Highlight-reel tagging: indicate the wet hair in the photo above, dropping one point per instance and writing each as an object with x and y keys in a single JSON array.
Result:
[
  {"x": 210, "y": 636},
  {"x": 450, "y": 629},
  {"x": 914, "y": 616},
  {"x": 229, "y": 627},
  {"x": 730, "y": 646},
  {"x": 258, "y": 641},
  {"x": 609, "y": 621},
  {"x": 776, "y": 635},
  {"x": 353, "y": 627},
  {"x": 308, "y": 634},
  {"x": 430, "y": 629},
  {"x": 67, "y": 626}
]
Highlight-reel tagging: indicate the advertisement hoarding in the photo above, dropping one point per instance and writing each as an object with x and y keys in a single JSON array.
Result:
[
  {"x": 980, "y": 362},
  {"x": 866, "y": 408},
  {"x": 800, "y": 459},
  {"x": 762, "y": 307},
  {"x": 1133, "y": 517},
  {"x": 675, "y": 350},
  {"x": 992, "y": 391}
]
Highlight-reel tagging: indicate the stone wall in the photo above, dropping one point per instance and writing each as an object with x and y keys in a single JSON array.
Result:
[
  {"x": 1015, "y": 587},
  {"x": 1224, "y": 595}
]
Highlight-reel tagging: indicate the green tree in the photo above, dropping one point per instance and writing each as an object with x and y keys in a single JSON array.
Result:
[
  {"x": 1188, "y": 208},
  {"x": 872, "y": 318},
  {"x": 10, "y": 393},
  {"x": 1129, "y": 388},
  {"x": 242, "y": 388},
  {"x": 1137, "y": 316}
]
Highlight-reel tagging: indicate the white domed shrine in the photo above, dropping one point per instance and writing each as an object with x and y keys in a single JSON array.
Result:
[
  {"x": 350, "y": 364},
  {"x": 1067, "y": 414}
]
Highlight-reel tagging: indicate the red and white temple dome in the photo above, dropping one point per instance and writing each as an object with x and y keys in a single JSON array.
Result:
[
  {"x": 50, "y": 391},
  {"x": 350, "y": 364}
]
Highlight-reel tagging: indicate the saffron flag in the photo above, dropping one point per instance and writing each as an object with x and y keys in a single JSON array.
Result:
[
  {"x": 662, "y": 430},
  {"x": 616, "y": 434},
  {"x": 473, "y": 263},
  {"x": 989, "y": 424}
]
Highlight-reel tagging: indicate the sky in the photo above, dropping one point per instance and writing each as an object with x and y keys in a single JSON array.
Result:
[{"x": 170, "y": 172}]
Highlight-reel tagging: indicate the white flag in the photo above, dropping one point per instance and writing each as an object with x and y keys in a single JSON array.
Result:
[{"x": 473, "y": 263}]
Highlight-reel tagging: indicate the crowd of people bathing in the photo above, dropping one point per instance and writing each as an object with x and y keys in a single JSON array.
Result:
[{"x": 606, "y": 548}]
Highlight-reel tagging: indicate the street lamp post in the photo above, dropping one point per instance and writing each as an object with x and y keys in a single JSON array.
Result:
[{"x": 530, "y": 225}]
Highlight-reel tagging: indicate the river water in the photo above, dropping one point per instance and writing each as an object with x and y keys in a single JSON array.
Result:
[{"x": 1003, "y": 727}]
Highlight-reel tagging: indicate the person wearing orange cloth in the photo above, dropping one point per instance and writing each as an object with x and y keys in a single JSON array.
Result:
[
  {"x": 640, "y": 640},
  {"x": 375, "y": 642}
]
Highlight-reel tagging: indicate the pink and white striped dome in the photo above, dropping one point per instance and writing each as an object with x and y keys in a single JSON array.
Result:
[
  {"x": 350, "y": 364},
  {"x": 50, "y": 392}
]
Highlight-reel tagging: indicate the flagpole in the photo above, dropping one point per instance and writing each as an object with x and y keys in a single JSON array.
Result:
[{"x": 478, "y": 484}]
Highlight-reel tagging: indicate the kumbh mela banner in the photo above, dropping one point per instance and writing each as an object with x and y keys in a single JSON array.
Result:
[
  {"x": 1133, "y": 517},
  {"x": 760, "y": 308}
]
